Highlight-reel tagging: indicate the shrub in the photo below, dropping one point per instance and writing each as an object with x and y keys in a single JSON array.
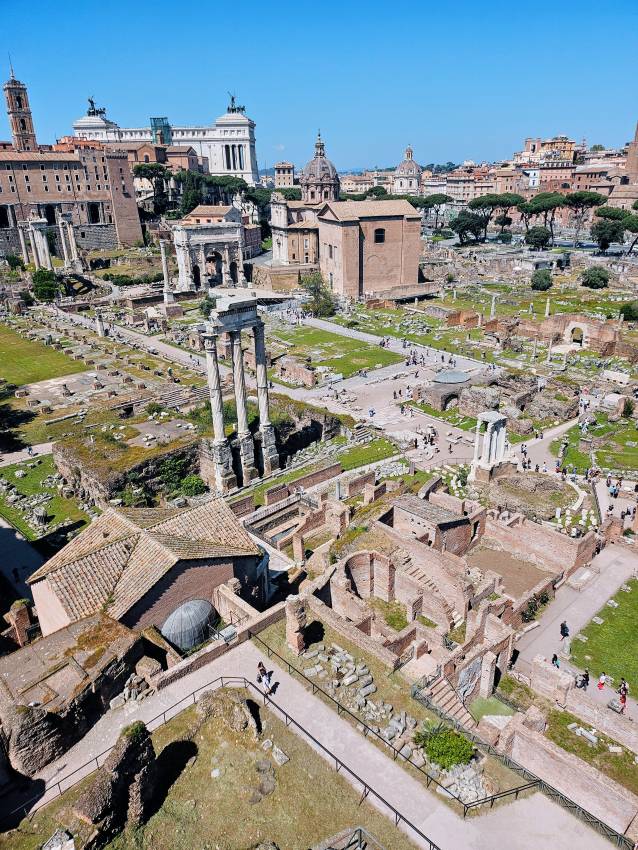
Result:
[
  {"x": 136, "y": 730},
  {"x": 154, "y": 407},
  {"x": 193, "y": 485},
  {"x": 505, "y": 237},
  {"x": 628, "y": 407},
  {"x": 629, "y": 311},
  {"x": 14, "y": 262},
  {"x": 542, "y": 280},
  {"x": 538, "y": 237},
  {"x": 45, "y": 286},
  {"x": 595, "y": 278},
  {"x": 444, "y": 746}
]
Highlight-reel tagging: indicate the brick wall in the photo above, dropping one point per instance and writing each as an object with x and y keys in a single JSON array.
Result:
[
  {"x": 356, "y": 485},
  {"x": 282, "y": 491},
  {"x": 243, "y": 507},
  {"x": 544, "y": 547}
]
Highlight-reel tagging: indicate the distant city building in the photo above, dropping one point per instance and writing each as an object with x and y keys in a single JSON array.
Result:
[
  {"x": 228, "y": 144},
  {"x": 407, "y": 177},
  {"x": 284, "y": 175},
  {"x": 88, "y": 184}
]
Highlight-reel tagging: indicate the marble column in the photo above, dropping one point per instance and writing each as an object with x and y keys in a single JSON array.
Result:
[
  {"x": 547, "y": 308},
  {"x": 220, "y": 450},
  {"x": 477, "y": 442},
  {"x": 73, "y": 245},
  {"x": 184, "y": 282},
  {"x": 40, "y": 236},
  {"x": 493, "y": 307},
  {"x": 226, "y": 278},
  {"x": 23, "y": 245},
  {"x": 244, "y": 437},
  {"x": 167, "y": 282},
  {"x": 65, "y": 252},
  {"x": 34, "y": 249},
  {"x": 487, "y": 445},
  {"x": 241, "y": 277},
  {"x": 202, "y": 267},
  {"x": 266, "y": 429}
]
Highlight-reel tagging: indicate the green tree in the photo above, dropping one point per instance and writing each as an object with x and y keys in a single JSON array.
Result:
[
  {"x": 597, "y": 148},
  {"x": 156, "y": 174},
  {"x": 595, "y": 278},
  {"x": 538, "y": 237},
  {"x": 581, "y": 203},
  {"x": 507, "y": 201},
  {"x": 542, "y": 280},
  {"x": 629, "y": 311},
  {"x": 547, "y": 204},
  {"x": 377, "y": 192},
  {"x": 321, "y": 302},
  {"x": 630, "y": 223},
  {"x": 527, "y": 213},
  {"x": 193, "y": 485},
  {"x": 607, "y": 230},
  {"x": 45, "y": 285},
  {"x": 435, "y": 203},
  {"x": 14, "y": 262},
  {"x": 468, "y": 223},
  {"x": 206, "y": 306},
  {"x": 612, "y": 213},
  {"x": 485, "y": 206}
]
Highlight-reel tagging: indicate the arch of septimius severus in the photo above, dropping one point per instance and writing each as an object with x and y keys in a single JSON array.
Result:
[
  {"x": 209, "y": 254},
  {"x": 232, "y": 315}
]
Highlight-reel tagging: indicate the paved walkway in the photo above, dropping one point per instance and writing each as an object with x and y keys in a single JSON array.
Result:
[
  {"x": 616, "y": 565},
  {"x": 526, "y": 824},
  {"x": 16, "y": 457}
]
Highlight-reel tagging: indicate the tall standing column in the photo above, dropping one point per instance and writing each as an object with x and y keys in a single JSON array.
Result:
[
  {"x": 220, "y": 449},
  {"x": 65, "y": 252},
  {"x": 226, "y": 278},
  {"x": 487, "y": 445},
  {"x": 23, "y": 245},
  {"x": 34, "y": 249},
  {"x": 244, "y": 437},
  {"x": 169, "y": 298},
  {"x": 73, "y": 245},
  {"x": 477, "y": 441},
  {"x": 267, "y": 431}
]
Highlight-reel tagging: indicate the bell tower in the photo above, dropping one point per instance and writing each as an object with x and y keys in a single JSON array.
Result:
[{"x": 19, "y": 113}]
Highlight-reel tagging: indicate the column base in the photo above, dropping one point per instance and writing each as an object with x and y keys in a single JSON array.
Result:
[
  {"x": 247, "y": 455},
  {"x": 269, "y": 449},
  {"x": 216, "y": 466}
]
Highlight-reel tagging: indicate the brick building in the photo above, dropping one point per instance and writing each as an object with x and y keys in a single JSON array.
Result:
[
  {"x": 141, "y": 564},
  {"x": 92, "y": 184}
]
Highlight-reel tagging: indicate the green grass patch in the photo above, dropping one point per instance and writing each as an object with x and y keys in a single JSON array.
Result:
[
  {"x": 58, "y": 508},
  {"x": 425, "y": 621},
  {"x": 452, "y": 416},
  {"x": 457, "y": 634},
  {"x": 25, "y": 361},
  {"x": 393, "y": 613},
  {"x": 490, "y": 705},
  {"x": 612, "y": 647},
  {"x": 367, "y": 453}
]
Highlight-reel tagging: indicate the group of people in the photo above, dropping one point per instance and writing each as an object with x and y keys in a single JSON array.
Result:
[{"x": 582, "y": 679}]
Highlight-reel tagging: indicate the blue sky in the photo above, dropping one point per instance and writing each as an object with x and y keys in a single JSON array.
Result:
[{"x": 456, "y": 80}]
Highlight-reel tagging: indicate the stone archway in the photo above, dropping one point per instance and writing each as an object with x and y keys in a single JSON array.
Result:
[
  {"x": 577, "y": 335},
  {"x": 214, "y": 267},
  {"x": 450, "y": 401},
  {"x": 196, "y": 276},
  {"x": 233, "y": 272}
]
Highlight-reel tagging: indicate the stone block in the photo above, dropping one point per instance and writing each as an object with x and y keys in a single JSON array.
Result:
[
  {"x": 279, "y": 755},
  {"x": 118, "y": 701}
]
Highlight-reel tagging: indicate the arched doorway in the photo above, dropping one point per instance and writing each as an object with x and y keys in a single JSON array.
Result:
[
  {"x": 49, "y": 213},
  {"x": 214, "y": 268},
  {"x": 451, "y": 402},
  {"x": 577, "y": 335},
  {"x": 196, "y": 277},
  {"x": 233, "y": 271}
]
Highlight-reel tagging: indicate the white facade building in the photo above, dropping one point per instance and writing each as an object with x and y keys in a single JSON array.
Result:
[{"x": 229, "y": 143}]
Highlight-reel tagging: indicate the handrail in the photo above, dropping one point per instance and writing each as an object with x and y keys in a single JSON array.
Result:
[
  {"x": 533, "y": 781},
  {"x": 241, "y": 681},
  {"x": 368, "y": 730}
]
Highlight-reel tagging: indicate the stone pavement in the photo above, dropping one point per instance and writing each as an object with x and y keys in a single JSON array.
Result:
[
  {"x": 616, "y": 564},
  {"x": 526, "y": 824},
  {"x": 16, "y": 457}
]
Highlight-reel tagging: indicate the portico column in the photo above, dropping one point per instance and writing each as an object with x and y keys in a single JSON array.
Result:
[
  {"x": 34, "y": 249},
  {"x": 226, "y": 279},
  {"x": 493, "y": 307},
  {"x": 202, "y": 266},
  {"x": 244, "y": 437},
  {"x": 23, "y": 245},
  {"x": 487, "y": 444},
  {"x": 221, "y": 455},
  {"x": 63, "y": 241},
  {"x": 268, "y": 441},
  {"x": 163, "y": 244},
  {"x": 477, "y": 442},
  {"x": 73, "y": 245}
]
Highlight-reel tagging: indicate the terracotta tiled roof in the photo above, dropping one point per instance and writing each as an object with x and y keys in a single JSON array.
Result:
[
  {"x": 205, "y": 209},
  {"x": 351, "y": 210},
  {"x": 125, "y": 552}
]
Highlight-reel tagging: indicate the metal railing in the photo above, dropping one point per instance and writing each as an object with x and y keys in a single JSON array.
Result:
[
  {"x": 27, "y": 806},
  {"x": 533, "y": 781},
  {"x": 396, "y": 754}
]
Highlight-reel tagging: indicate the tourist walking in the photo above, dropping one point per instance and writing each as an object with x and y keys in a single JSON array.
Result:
[
  {"x": 263, "y": 677},
  {"x": 555, "y": 660},
  {"x": 602, "y": 681},
  {"x": 564, "y": 630}
]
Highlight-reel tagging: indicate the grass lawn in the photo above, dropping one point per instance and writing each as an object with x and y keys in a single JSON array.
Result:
[
  {"x": 393, "y": 613},
  {"x": 613, "y": 646},
  {"x": 452, "y": 416},
  {"x": 367, "y": 453},
  {"x": 617, "y": 451},
  {"x": 25, "y": 361},
  {"x": 490, "y": 705},
  {"x": 58, "y": 509},
  {"x": 310, "y": 802},
  {"x": 340, "y": 353}
]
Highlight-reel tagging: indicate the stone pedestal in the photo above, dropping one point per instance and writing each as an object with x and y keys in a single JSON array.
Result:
[
  {"x": 296, "y": 620},
  {"x": 216, "y": 465}
]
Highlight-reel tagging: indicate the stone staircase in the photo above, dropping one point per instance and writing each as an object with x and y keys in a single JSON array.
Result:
[{"x": 447, "y": 699}]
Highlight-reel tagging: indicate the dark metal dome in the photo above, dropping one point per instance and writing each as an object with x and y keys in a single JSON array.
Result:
[
  {"x": 450, "y": 376},
  {"x": 189, "y": 625},
  {"x": 319, "y": 169}
]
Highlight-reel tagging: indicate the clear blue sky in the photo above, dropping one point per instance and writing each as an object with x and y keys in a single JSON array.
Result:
[{"x": 457, "y": 80}]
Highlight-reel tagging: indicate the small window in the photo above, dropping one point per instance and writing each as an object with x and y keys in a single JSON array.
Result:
[{"x": 379, "y": 235}]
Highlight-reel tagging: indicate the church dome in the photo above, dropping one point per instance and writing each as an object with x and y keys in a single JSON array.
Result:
[
  {"x": 189, "y": 625},
  {"x": 319, "y": 169},
  {"x": 408, "y": 168}
]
